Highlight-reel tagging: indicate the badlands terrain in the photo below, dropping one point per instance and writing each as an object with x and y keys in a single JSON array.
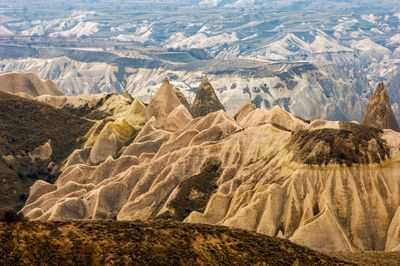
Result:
[
  {"x": 324, "y": 184},
  {"x": 256, "y": 120},
  {"x": 315, "y": 59},
  {"x": 328, "y": 185}
]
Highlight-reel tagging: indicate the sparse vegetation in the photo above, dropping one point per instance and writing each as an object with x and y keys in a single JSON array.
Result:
[
  {"x": 195, "y": 192},
  {"x": 89, "y": 112},
  {"x": 152, "y": 243},
  {"x": 348, "y": 145},
  {"x": 11, "y": 217},
  {"x": 25, "y": 125}
]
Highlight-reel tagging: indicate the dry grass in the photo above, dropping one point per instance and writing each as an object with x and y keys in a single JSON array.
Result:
[
  {"x": 370, "y": 258},
  {"x": 24, "y": 125},
  {"x": 153, "y": 243}
]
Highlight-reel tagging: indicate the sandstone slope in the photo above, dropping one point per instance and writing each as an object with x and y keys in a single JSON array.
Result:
[
  {"x": 95, "y": 106},
  {"x": 27, "y": 84},
  {"x": 327, "y": 185},
  {"x": 379, "y": 113}
]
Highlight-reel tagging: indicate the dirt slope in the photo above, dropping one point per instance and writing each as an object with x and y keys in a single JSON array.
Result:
[{"x": 32, "y": 135}]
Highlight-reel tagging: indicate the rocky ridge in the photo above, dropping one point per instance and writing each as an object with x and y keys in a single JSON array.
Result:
[
  {"x": 253, "y": 172},
  {"x": 206, "y": 100},
  {"x": 379, "y": 112},
  {"x": 34, "y": 139},
  {"x": 27, "y": 85}
]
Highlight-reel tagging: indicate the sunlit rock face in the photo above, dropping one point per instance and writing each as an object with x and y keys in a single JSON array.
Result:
[
  {"x": 325, "y": 184},
  {"x": 379, "y": 113},
  {"x": 27, "y": 85}
]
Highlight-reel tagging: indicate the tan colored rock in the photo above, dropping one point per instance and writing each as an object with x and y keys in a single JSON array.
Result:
[
  {"x": 276, "y": 116},
  {"x": 148, "y": 141},
  {"x": 379, "y": 112},
  {"x": 319, "y": 124},
  {"x": 38, "y": 189},
  {"x": 92, "y": 135},
  {"x": 243, "y": 111},
  {"x": 163, "y": 103},
  {"x": 49, "y": 200},
  {"x": 322, "y": 232},
  {"x": 269, "y": 180},
  {"x": 79, "y": 174},
  {"x": 112, "y": 138},
  {"x": 69, "y": 209},
  {"x": 27, "y": 84},
  {"x": 42, "y": 152},
  {"x": 393, "y": 237},
  {"x": 177, "y": 119},
  {"x": 136, "y": 114},
  {"x": 79, "y": 156}
]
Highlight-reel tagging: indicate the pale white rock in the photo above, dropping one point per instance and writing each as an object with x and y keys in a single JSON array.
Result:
[{"x": 177, "y": 119}]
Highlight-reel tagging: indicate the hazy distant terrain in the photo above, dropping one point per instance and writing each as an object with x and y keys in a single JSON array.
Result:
[{"x": 317, "y": 59}]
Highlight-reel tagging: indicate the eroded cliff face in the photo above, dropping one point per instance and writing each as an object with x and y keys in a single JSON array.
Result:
[
  {"x": 27, "y": 85},
  {"x": 326, "y": 185},
  {"x": 379, "y": 113}
]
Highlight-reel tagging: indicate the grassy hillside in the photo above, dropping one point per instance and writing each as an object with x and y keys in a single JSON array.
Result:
[
  {"x": 155, "y": 243},
  {"x": 24, "y": 125},
  {"x": 369, "y": 258}
]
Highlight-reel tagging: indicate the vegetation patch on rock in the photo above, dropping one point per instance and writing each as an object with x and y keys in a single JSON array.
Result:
[
  {"x": 195, "y": 192},
  {"x": 351, "y": 144},
  {"x": 90, "y": 112}
]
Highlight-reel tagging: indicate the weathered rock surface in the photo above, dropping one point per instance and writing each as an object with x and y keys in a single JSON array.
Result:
[
  {"x": 94, "y": 106},
  {"x": 206, "y": 100},
  {"x": 379, "y": 113},
  {"x": 111, "y": 139},
  {"x": 164, "y": 102},
  {"x": 327, "y": 185},
  {"x": 275, "y": 115},
  {"x": 27, "y": 84}
]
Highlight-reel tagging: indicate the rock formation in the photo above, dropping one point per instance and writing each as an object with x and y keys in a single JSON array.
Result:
[
  {"x": 164, "y": 102},
  {"x": 94, "y": 107},
  {"x": 27, "y": 84},
  {"x": 328, "y": 185},
  {"x": 206, "y": 100},
  {"x": 379, "y": 113}
]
